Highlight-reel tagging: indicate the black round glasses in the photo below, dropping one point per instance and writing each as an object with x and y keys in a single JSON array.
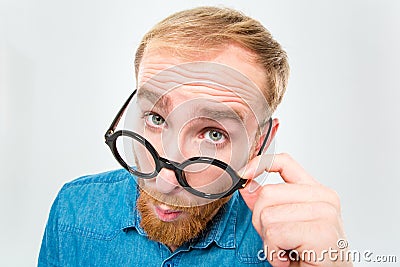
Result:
[{"x": 205, "y": 177}]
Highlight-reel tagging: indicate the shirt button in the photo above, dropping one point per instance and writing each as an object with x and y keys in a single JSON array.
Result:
[{"x": 168, "y": 264}]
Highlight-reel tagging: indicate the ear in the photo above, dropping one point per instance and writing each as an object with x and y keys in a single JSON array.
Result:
[{"x": 274, "y": 129}]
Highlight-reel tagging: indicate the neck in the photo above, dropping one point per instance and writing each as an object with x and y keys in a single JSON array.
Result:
[{"x": 172, "y": 247}]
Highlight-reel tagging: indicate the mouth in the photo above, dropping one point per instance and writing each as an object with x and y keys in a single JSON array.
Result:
[{"x": 166, "y": 213}]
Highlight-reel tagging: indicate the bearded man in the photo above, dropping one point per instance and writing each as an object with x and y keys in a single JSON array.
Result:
[{"x": 194, "y": 137}]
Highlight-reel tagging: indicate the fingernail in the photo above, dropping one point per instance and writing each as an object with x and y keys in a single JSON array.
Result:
[{"x": 252, "y": 187}]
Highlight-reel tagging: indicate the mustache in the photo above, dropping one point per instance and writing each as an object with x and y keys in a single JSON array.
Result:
[
  {"x": 185, "y": 204},
  {"x": 175, "y": 202}
]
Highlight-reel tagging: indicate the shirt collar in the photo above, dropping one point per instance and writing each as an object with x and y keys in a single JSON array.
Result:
[
  {"x": 221, "y": 230},
  {"x": 131, "y": 214}
]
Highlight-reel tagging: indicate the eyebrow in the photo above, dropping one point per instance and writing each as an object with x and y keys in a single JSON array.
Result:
[
  {"x": 218, "y": 114},
  {"x": 162, "y": 101}
]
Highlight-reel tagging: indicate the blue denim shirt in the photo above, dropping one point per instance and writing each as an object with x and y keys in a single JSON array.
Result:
[{"x": 94, "y": 222}]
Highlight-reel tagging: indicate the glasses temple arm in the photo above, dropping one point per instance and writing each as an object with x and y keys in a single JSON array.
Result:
[
  {"x": 266, "y": 137},
  {"x": 120, "y": 113}
]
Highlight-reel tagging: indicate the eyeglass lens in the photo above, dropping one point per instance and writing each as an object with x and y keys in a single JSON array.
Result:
[{"x": 201, "y": 176}]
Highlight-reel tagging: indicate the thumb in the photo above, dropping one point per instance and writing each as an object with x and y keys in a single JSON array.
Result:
[
  {"x": 252, "y": 169},
  {"x": 250, "y": 193}
]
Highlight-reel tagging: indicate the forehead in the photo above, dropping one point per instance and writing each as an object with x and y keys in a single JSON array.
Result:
[{"x": 228, "y": 77}]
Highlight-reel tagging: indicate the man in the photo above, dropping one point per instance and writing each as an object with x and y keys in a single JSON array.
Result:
[{"x": 195, "y": 131}]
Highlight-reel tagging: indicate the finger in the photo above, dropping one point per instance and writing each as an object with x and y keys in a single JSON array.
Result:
[
  {"x": 277, "y": 258},
  {"x": 284, "y": 164},
  {"x": 250, "y": 196},
  {"x": 299, "y": 236},
  {"x": 279, "y": 194},
  {"x": 290, "y": 170},
  {"x": 256, "y": 166},
  {"x": 298, "y": 212}
]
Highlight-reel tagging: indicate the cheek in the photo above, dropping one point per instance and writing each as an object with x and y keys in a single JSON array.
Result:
[
  {"x": 240, "y": 151},
  {"x": 209, "y": 179}
]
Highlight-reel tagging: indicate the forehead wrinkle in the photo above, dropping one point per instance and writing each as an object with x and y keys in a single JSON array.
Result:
[{"x": 161, "y": 101}]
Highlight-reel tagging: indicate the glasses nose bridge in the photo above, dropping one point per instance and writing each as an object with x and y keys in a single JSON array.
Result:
[{"x": 170, "y": 165}]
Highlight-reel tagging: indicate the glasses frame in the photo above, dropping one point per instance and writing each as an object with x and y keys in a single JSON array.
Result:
[{"x": 111, "y": 137}]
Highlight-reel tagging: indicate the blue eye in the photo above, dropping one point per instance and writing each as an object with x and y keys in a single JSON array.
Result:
[
  {"x": 215, "y": 136},
  {"x": 155, "y": 120}
]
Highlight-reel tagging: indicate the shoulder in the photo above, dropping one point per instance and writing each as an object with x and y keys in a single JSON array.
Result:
[
  {"x": 108, "y": 177},
  {"x": 95, "y": 185},
  {"x": 95, "y": 189},
  {"x": 96, "y": 204},
  {"x": 87, "y": 210}
]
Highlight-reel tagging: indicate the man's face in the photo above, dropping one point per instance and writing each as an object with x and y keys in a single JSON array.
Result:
[{"x": 211, "y": 108}]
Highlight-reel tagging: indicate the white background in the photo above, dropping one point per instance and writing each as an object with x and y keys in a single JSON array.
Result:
[{"x": 67, "y": 66}]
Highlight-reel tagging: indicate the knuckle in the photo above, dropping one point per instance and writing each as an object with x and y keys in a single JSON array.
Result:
[
  {"x": 329, "y": 195},
  {"x": 273, "y": 231},
  {"x": 335, "y": 199},
  {"x": 256, "y": 225},
  {"x": 266, "y": 216},
  {"x": 254, "y": 221},
  {"x": 332, "y": 211},
  {"x": 325, "y": 209},
  {"x": 265, "y": 192},
  {"x": 286, "y": 156}
]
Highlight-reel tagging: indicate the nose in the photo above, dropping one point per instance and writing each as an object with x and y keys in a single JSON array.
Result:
[{"x": 166, "y": 182}]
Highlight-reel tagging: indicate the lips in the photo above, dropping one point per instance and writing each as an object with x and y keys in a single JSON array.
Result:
[{"x": 166, "y": 214}]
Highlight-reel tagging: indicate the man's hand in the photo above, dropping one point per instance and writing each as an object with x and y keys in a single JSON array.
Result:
[{"x": 300, "y": 214}]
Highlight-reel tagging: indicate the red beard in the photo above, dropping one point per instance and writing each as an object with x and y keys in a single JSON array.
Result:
[{"x": 174, "y": 233}]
